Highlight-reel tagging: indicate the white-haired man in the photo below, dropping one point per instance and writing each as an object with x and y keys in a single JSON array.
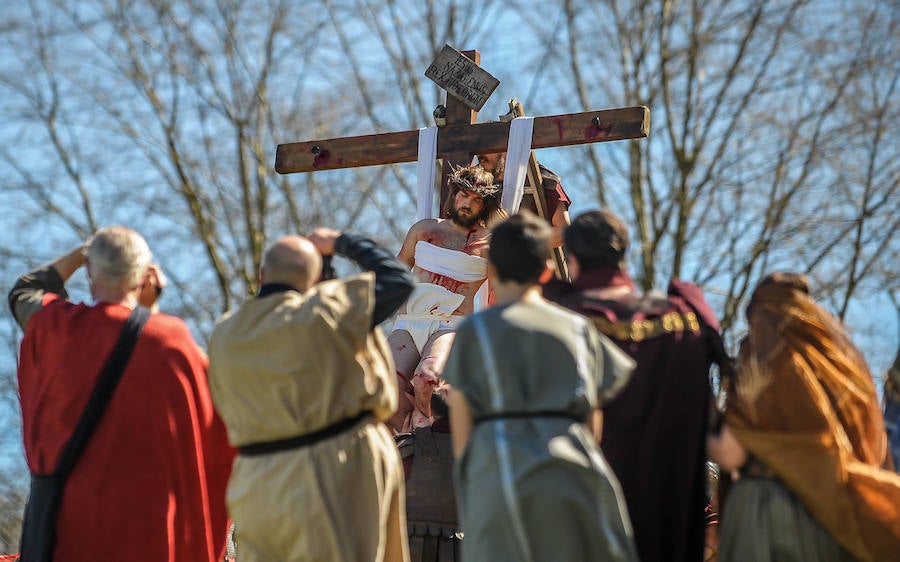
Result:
[{"x": 150, "y": 483}]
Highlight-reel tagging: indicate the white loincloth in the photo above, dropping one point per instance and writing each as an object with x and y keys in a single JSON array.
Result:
[
  {"x": 423, "y": 326},
  {"x": 430, "y": 307}
]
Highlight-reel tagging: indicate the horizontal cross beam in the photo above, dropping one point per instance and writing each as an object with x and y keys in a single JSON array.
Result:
[{"x": 390, "y": 148}]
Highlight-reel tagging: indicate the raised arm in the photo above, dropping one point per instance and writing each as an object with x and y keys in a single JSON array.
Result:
[
  {"x": 393, "y": 281},
  {"x": 27, "y": 295},
  {"x": 560, "y": 220}
]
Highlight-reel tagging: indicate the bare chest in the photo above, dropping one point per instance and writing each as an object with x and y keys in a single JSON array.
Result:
[{"x": 473, "y": 241}]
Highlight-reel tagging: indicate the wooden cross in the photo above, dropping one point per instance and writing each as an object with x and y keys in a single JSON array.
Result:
[{"x": 460, "y": 138}]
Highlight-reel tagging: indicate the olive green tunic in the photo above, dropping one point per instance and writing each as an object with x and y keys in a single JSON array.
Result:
[
  {"x": 534, "y": 485},
  {"x": 764, "y": 522}
]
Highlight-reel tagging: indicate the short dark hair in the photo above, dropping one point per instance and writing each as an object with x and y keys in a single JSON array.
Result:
[
  {"x": 520, "y": 248},
  {"x": 439, "y": 407},
  {"x": 597, "y": 239}
]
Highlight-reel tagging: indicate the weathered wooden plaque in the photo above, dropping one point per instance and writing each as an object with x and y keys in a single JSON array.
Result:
[{"x": 462, "y": 78}]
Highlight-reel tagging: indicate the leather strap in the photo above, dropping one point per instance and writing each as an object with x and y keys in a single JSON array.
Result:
[{"x": 106, "y": 385}]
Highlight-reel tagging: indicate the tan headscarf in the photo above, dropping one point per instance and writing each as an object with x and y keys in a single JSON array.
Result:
[{"x": 804, "y": 404}]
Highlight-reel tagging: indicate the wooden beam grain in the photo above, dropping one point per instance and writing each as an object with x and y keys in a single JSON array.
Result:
[{"x": 387, "y": 148}]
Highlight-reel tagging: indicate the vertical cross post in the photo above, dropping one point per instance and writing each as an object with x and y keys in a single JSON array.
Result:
[{"x": 457, "y": 113}]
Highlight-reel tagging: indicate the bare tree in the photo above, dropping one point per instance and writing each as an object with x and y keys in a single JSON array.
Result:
[
  {"x": 165, "y": 115},
  {"x": 768, "y": 146},
  {"x": 12, "y": 507}
]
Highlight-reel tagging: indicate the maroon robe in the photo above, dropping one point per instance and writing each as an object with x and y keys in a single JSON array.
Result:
[
  {"x": 554, "y": 194},
  {"x": 654, "y": 432}
]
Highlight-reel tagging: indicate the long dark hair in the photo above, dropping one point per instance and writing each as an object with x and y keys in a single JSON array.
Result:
[{"x": 476, "y": 180}]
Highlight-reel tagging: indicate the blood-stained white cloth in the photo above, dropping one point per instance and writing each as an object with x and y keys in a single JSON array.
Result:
[
  {"x": 450, "y": 263},
  {"x": 430, "y": 307}
]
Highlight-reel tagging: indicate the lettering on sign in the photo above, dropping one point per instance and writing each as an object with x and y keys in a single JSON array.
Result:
[{"x": 462, "y": 78}]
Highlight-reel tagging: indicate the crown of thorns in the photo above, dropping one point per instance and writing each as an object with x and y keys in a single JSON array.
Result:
[{"x": 458, "y": 178}]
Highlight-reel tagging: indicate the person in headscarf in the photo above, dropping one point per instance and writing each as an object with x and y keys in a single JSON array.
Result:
[{"x": 804, "y": 429}]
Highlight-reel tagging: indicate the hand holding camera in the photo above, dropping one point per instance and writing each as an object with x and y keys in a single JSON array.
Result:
[
  {"x": 323, "y": 239},
  {"x": 154, "y": 281}
]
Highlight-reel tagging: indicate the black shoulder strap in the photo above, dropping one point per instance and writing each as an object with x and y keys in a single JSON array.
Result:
[{"x": 103, "y": 391}]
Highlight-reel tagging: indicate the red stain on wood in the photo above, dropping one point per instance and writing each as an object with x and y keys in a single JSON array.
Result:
[
  {"x": 322, "y": 159},
  {"x": 594, "y": 131}
]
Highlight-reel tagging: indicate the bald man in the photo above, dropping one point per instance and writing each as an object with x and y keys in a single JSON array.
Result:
[{"x": 303, "y": 379}]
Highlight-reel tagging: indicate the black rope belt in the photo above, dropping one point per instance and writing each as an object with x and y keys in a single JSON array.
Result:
[
  {"x": 534, "y": 414},
  {"x": 753, "y": 468},
  {"x": 305, "y": 440}
]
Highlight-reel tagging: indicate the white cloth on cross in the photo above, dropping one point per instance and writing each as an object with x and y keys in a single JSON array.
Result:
[
  {"x": 426, "y": 170},
  {"x": 517, "y": 153}
]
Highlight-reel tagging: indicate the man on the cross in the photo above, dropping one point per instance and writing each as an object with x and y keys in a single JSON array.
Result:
[{"x": 449, "y": 260}]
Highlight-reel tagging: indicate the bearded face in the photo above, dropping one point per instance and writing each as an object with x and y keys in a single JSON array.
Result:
[
  {"x": 462, "y": 219},
  {"x": 494, "y": 163},
  {"x": 467, "y": 209}
]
